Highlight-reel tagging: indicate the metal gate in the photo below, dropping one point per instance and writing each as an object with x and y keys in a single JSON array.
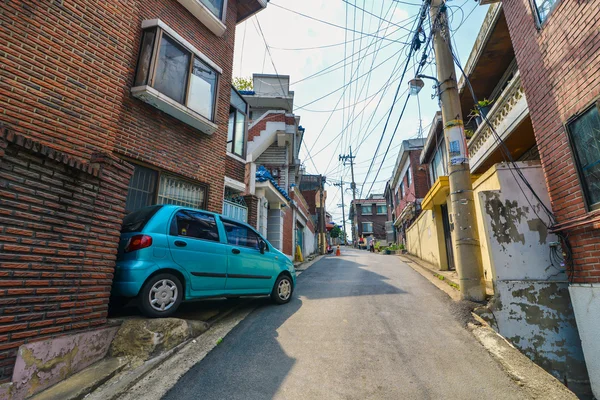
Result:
[{"x": 235, "y": 208}]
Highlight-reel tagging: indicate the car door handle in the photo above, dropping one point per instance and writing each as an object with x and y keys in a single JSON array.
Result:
[
  {"x": 235, "y": 251},
  {"x": 180, "y": 243}
]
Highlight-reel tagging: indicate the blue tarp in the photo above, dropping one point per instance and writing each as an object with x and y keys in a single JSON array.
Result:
[{"x": 262, "y": 175}]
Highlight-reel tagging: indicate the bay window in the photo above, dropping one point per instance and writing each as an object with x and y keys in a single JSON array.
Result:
[
  {"x": 176, "y": 78},
  {"x": 236, "y": 132}
]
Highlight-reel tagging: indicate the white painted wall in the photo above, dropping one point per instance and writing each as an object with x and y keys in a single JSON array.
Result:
[{"x": 586, "y": 304}]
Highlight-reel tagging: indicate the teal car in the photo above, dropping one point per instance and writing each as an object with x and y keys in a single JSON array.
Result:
[{"x": 169, "y": 254}]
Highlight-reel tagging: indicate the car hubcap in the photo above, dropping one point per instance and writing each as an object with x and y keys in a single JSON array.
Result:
[
  {"x": 163, "y": 295},
  {"x": 284, "y": 289}
]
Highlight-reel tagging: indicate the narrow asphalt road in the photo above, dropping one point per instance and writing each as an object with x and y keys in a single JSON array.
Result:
[{"x": 360, "y": 326}]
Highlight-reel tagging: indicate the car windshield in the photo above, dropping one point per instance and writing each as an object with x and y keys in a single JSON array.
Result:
[{"x": 137, "y": 220}]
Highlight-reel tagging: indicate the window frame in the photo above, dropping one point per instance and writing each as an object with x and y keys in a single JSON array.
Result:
[
  {"x": 575, "y": 158},
  {"x": 234, "y": 110},
  {"x": 160, "y": 172},
  {"x": 191, "y": 210},
  {"x": 408, "y": 176},
  {"x": 160, "y": 30},
  {"x": 539, "y": 23},
  {"x": 384, "y": 212},
  {"x": 362, "y": 211},
  {"x": 402, "y": 190},
  {"x": 258, "y": 235},
  {"x": 363, "y": 227}
]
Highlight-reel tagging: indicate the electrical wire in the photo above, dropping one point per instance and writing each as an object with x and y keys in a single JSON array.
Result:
[
  {"x": 413, "y": 47},
  {"x": 334, "y": 25}
]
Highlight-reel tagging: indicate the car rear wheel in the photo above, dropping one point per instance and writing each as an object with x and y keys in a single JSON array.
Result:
[
  {"x": 161, "y": 296},
  {"x": 283, "y": 289}
]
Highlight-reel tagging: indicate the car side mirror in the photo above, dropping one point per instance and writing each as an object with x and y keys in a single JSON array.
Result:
[{"x": 261, "y": 247}]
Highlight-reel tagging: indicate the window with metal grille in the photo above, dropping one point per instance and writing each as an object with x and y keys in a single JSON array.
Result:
[
  {"x": 142, "y": 188},
  {"x": 148, "y": 186},
  {"x": 584, "y": 132},
  {"x": 172, "y": 190}
]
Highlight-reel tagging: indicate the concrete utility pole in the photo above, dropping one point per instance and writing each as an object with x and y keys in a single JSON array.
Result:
[
  {"x": 344, "y": 159},
  {"x": 322, "y": 247},
  {"x": 466, "y": 238},
  {"x": 341, "y": 186}
]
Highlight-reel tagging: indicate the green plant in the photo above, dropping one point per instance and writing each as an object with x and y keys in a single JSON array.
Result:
[
  {"x": 402, "y": 247},
  {"x": 469, "y": 133},
  {"x": 241, "y": 83},
  {"x": 484, "y": 103}
]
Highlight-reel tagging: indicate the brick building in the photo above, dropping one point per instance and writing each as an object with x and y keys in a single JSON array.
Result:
[
  {"x": 557, "y": 48},
  {"x": 105, "y": 108},
  {"x": 407, "y": 188},
  {"x": 369, "y": 216}
]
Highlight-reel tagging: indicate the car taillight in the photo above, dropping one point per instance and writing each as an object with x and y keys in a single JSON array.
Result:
[{"x": 138, "y": 242}]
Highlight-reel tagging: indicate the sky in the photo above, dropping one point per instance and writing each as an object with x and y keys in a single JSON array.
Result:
[{"x": 345, "y": 78}]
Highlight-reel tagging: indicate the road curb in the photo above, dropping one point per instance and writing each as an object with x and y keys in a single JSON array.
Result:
[{"x": 534, "y": 380}]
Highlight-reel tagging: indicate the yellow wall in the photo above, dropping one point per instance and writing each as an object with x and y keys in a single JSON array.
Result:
[
  {"x": 487, "y": 181},
  {"x": 422, "y": 238}
]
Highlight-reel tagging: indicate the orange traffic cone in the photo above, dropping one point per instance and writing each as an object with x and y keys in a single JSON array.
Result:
[{"x": 338, "y": 252}]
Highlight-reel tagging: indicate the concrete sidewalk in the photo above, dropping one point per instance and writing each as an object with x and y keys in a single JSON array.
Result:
[{"x": 449, "y": 277}]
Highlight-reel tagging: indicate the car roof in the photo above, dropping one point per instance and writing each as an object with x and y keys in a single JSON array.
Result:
[{"x": 221, "y": 216}]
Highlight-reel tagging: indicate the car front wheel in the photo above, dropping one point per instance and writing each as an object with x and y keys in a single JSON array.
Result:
[
  {"x": 161, "y": 296},
  {"x": 283, "y": 289}
]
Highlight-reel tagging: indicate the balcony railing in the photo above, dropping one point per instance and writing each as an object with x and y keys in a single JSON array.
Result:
[{"x": 508, "y": 111}]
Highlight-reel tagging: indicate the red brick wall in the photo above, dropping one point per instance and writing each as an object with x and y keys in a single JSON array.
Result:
[
  {"x": 560, "y": 74},
  {"x": 377, "y": 220},
  {"x": 59, "y": 231},
  {"x": 311, "y": 200},
  {"x": 252, "y": 203},
  {"x": 288, "y": 228},
  {"x": 420, "y": 177},
  {"x": 235, "y": 169},
  {"x": 302, "y": 205},
  {"x": 76, "y": 96},
  {"x": 66, "y": 68},
  {"x": 262, "y": 124}
]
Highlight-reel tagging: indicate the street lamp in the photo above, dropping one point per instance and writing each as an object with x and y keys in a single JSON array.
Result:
[{"x": 415, "y": 85}]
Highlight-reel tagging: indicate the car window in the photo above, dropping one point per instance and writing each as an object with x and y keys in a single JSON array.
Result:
[
  {"x": 137, "y": 220},
  {"x": 197, "y": 225},
  {"x": 240, "y": 235}
]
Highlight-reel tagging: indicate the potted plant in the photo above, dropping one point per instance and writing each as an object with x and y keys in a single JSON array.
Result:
[
  {"x": 484, "y": 105},
  {"x": 387, "y": 250},
  {"x": 403, "y": 248},
  {"x": 469, "y": 133}
]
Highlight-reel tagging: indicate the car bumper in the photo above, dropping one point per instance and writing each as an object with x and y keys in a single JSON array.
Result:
[{"x": 130, "y": 276}]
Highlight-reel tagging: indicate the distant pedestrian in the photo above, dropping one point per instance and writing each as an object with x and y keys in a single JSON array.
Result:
[{"x": 371, "y": 244}]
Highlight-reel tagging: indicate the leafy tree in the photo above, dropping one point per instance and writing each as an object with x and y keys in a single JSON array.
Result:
[
  {"x": 337, "y": 232},
  {"x": 241, "y": 83}
]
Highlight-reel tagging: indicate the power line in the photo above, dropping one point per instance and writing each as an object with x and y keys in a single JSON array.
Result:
[
  {"x": 334, "y": 25},
  {"x": 412, "y": 48}
]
